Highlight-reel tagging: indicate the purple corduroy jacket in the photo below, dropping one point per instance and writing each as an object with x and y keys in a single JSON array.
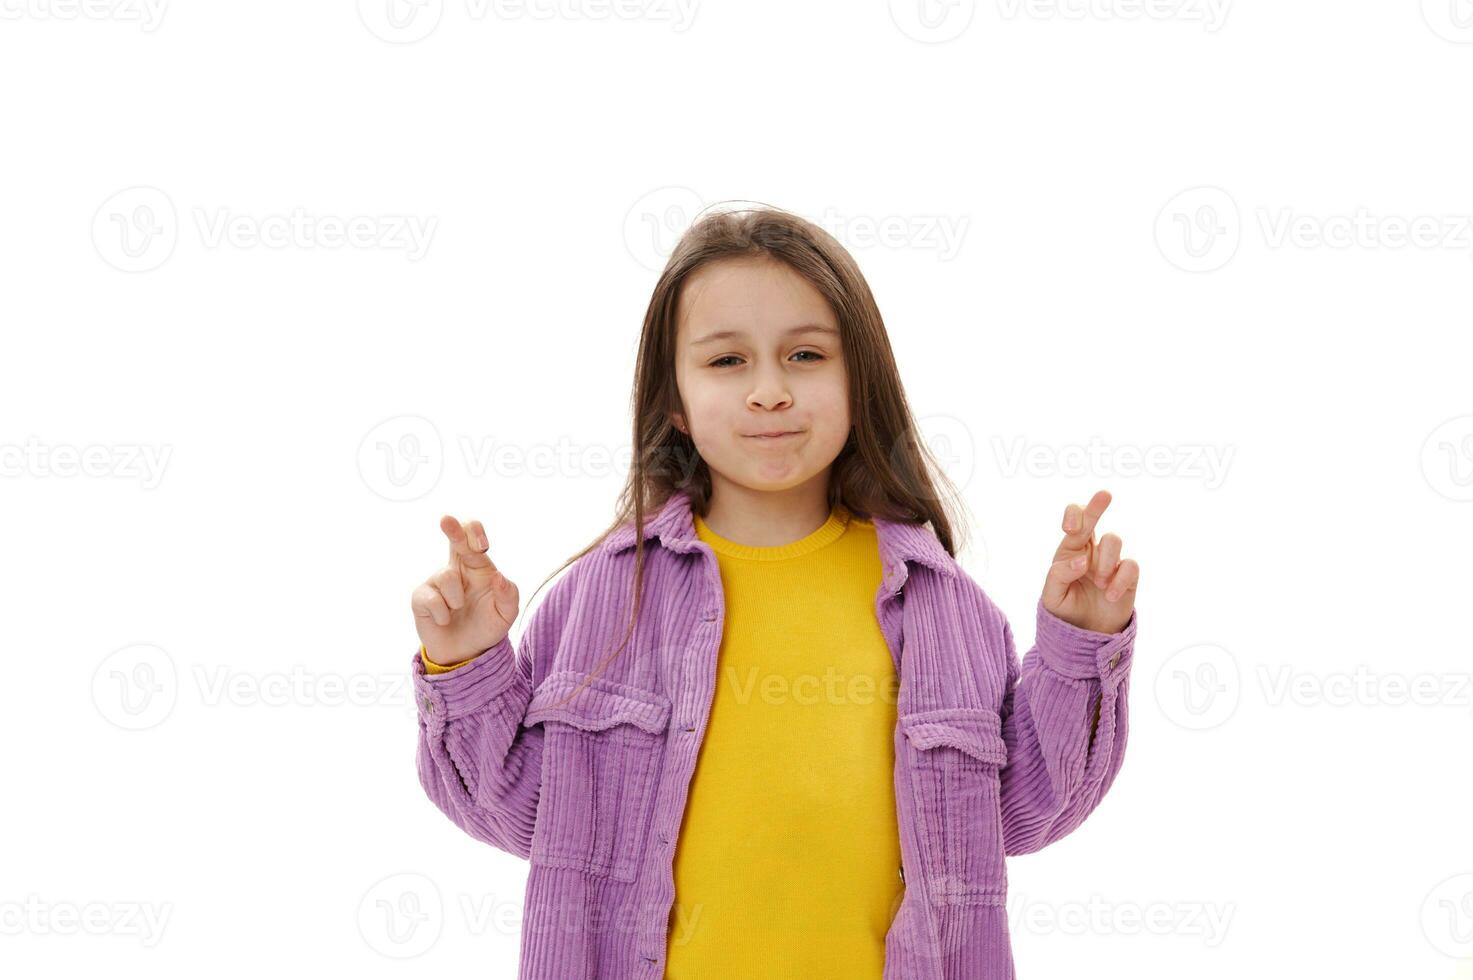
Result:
[{"x": 993, "y": 757}]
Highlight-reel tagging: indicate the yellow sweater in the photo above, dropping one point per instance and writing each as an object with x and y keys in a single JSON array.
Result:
[
  {"x": 435, "y": 668},
  {"x": 788, "y": 860}
]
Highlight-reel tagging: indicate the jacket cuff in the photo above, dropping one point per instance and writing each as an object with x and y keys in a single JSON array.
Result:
[
  {"x": 1085, "y": 654},
  {"x": 466, "y": 688}
]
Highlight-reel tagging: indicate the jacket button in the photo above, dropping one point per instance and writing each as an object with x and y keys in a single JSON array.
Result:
[
  {"x": 1114, "y": 660},
  {"x": 709, "y": 615}
]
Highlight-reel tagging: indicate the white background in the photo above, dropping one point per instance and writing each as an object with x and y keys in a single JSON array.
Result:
[{"x": 1176, "y": 229}]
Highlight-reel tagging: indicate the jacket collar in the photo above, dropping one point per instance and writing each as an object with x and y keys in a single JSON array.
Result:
[{"x": 899, "y": 541}]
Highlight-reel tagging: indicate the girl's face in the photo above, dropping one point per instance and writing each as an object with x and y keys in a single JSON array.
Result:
[{"x": 757, "y": 351}]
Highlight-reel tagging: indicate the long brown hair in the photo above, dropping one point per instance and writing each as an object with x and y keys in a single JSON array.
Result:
[{"x": 884, "y": 469}]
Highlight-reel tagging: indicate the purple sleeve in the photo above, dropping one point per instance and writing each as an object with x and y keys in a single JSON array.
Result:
[
  {"x": 1056, "y": 773},
  {"x": 476, "y": 761}
]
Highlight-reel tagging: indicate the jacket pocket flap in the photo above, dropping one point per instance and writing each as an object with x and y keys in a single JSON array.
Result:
[
  {"x": 598, "y": 703},
  {"x": 975, "y": 731}
]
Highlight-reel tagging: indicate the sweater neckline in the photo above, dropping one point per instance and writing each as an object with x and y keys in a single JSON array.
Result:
[{"x": 826, "y": 533}]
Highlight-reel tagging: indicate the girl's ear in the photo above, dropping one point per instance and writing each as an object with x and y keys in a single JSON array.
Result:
[{"x": 678, "y": 421}]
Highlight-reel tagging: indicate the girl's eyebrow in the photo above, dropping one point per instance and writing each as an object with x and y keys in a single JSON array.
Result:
[{"x": 730, "y": 334}]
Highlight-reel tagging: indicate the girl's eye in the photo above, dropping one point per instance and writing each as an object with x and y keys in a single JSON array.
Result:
[{"x": 732, "y": 357}]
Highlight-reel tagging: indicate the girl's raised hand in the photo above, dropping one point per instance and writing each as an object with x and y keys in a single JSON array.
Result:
[
  {"x": 468, "y": 606},
  {"x": 1088, "y": 585}
]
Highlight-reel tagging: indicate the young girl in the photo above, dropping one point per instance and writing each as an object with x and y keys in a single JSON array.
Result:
[{"x": 766, "y": 726}]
